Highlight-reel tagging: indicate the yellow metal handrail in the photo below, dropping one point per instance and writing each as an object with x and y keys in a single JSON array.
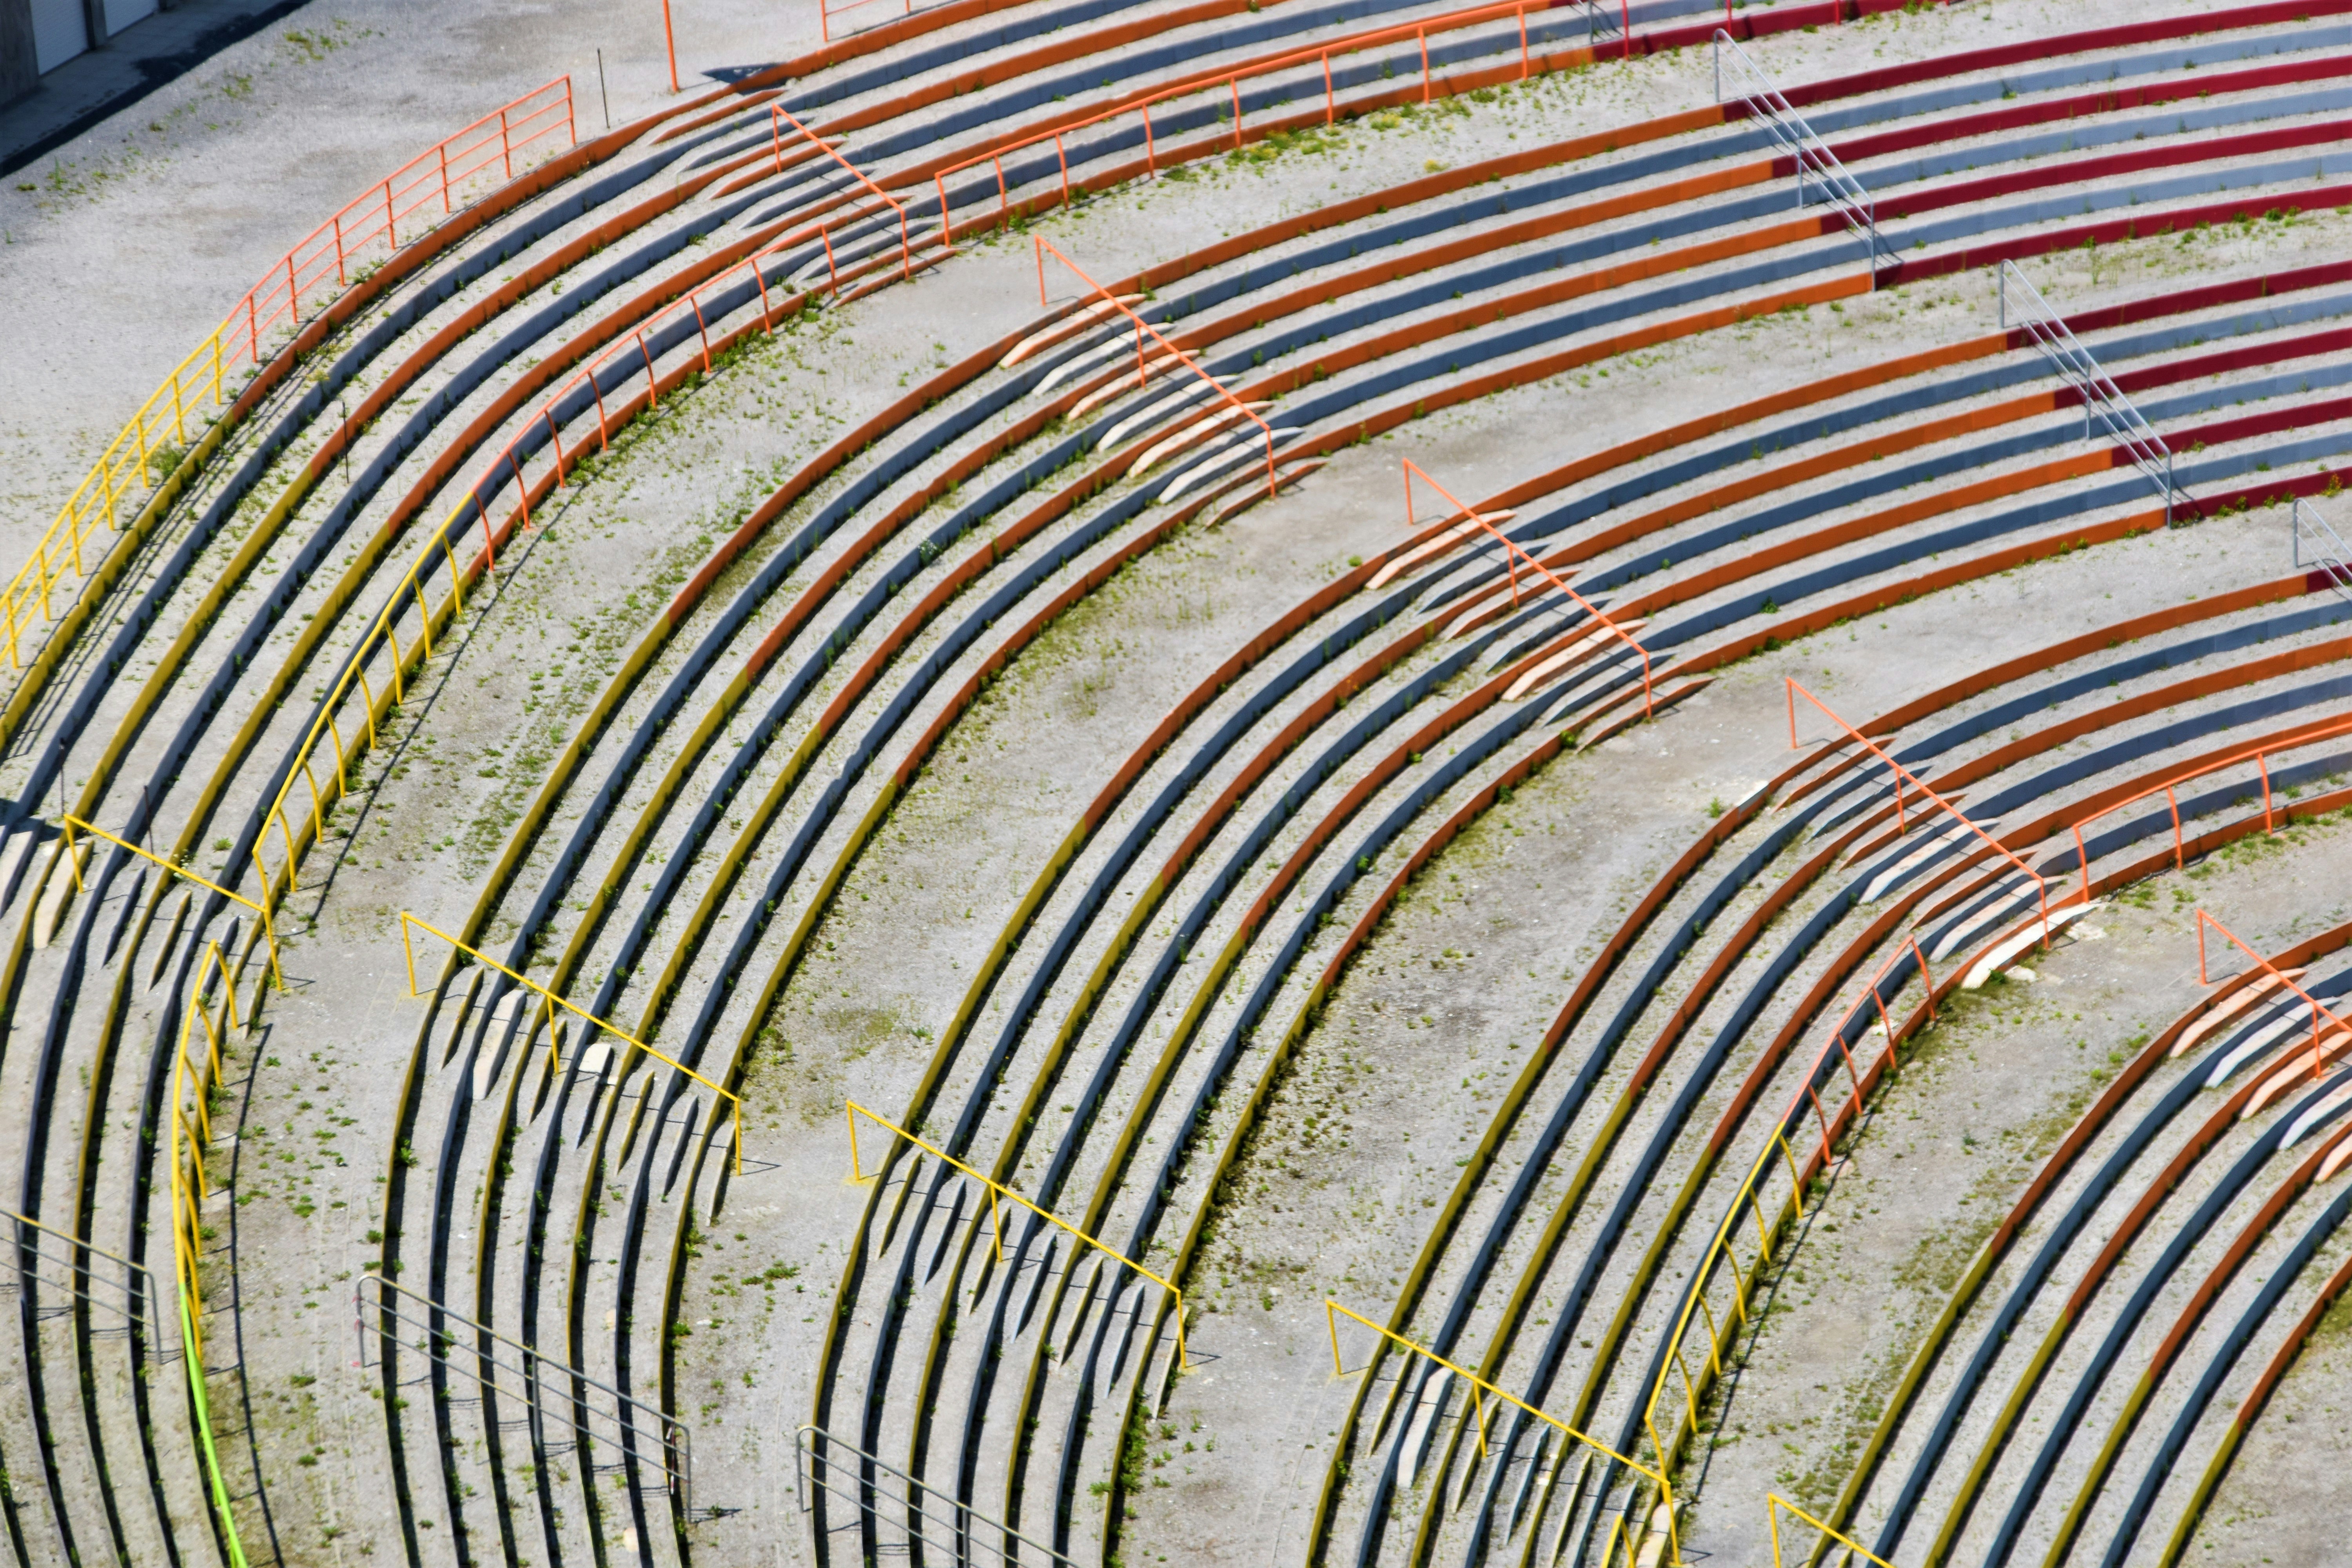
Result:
[
  {"x": 146, "y": 452},
  {"x": 185, "y": 1165},
  {"x": 411, "y": 586},
  {"x": 554, "y": 1002},
  {"x": 995, "y": 1189},
  {"x": 1695, "y": 1309},
  {"x": 1775, "y": 1505},
  {"x": 1480, "y": 1388},
  {"x": 268, "y": 928}
]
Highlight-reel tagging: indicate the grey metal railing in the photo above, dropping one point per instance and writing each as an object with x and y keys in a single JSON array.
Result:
[
  {"x": 627, "y": 1423},
  {"x": 961, "y": 1536},
  {"x": 2327, "y": 552},
  {"x": 56, "y": 1260},
  {"x": 1831, "y": 185},
  {"x": 2103, "y": 400}
]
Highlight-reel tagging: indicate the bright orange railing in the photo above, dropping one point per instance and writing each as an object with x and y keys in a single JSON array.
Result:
[
  {"x": 350, "y": 245},
  {"x": 1143, "y": 327},
  {"x": 1514, "y": 555},
  {"x": 1231, "y": 81},
  {"x": 777, "y": 116},
  {"x": 1807, "y": 1085},
  {"x": 2319, "y": 1009},
  {"x": 2259, "y": 756},
  {"x": 439, "y": 553},
  {"x": 1903, "y": 775}
]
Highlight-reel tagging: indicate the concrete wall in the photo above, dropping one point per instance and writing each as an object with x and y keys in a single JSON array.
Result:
[{"x": 17, "y": 71}]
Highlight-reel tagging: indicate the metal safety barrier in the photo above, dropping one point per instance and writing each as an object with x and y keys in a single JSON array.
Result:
[
  {"x": 996, "y": 1190},
  {"x": 1168, "y": 350},
  {"x": 1230, "y": 81},
  {"x": 1515, "y": 557},
  {"x": 1905, "y": 776},
  {"x": 139, "y": 462},
  {"x": 1838, "y": 190},
  {"x": 627, "y": 1421},
  {"x": 1625, "y": 1543},
  {"x": 188, "y": 1133},
  {"x": 552, "y": 1002},
  {"x": 2259, "y": 755},
  {"x": 1775, "y": 1505},
  {"x": 968, "y": 1532},
  {"x": 2320, "y": 1012},
  {"x": 778, "y": 116},
  {"x": 69, "y": 825},
  {"x": 2328, "y": 554},
  {"x": 2103, "y": 400},
  {"x": 141, "y": 1301}
]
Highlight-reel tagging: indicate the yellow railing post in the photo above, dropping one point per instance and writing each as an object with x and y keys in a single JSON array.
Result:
[
  {"x": 1480, "y": 1388},
  {"x": 554, "y": 1002},
  {"x": 70, "y": 823},
  {"x": 995, "y": 1187}
]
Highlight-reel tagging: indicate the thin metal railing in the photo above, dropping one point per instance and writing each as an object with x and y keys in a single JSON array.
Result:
[
  {"x": 30, "y": 1234},
  {"x": 2321, "y": 1014},
  {"x": 1838, "y": 189},
  {"x": 997, "y": 1190},
  {"x": 1514, "y": 556},
  {"x": 966, "y": 1539},
  {"x": 1168, "y": 351},
  {"x": 2170, "y": 789},
  {"x": 552, "y": 1001},
  {"x": 1229, "y": 81},
  {"x": 350, "y": 245},
  {"x": 189, "y": 1132},
  {"x": 1905, "y": 777},
  {"x": 777, "y": 116},
  {"x": 2103, "y": 400},
  {"x": 675, "y": 1440},
  {"x": 2329, "y": 555},
  {"x": 1624, "y": 1544}
]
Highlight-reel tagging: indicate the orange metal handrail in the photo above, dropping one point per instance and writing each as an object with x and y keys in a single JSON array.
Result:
[
  {"x": 1902, "y": 774},
  {"x": 1837, "y": 1038},
  {"x": 140, "y": 458},
  {"x": 777, "y": 115},
  {"x": 1231, "y": 80},
  {"x": 2167, "y": 789},
  {"x": 1141, "y": 327},
  {"x": 1513, "y": 555},
  {"x": 2319, "y": 1009}
]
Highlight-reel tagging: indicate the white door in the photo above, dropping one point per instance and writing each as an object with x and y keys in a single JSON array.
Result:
[
  {"x": 121, "y": 14},
  {"x": 60, "y": 33}
]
